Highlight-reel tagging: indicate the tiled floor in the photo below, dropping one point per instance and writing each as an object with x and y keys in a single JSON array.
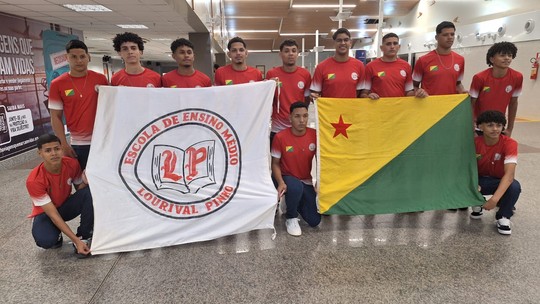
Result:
[{"x": 430, "y": 257}]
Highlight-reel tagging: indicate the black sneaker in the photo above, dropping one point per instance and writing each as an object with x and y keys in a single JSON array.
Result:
[
  {"x": 452, "y": 209},
  {"x": 58, "y": 243},
  {"x": 477, "y": 212},
  {"x": 503, "y": 226},
  {"x": 80, "y": 255},
  {"x": 464, "y": 208}
]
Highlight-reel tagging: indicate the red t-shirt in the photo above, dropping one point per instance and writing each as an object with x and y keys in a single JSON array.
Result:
[
  {"x": 439, "y": 74},
  {"x": 388, "y": 79},
  {"x": 291, "y": 87},
  {"x": 147, "y": 78},
  {"x": 226, "y": 75},
  {"x": 495, "y": 93},
  {"x": 196, "y": 80},
  {"x": 338, "y": 79},
  {"x": 295, "y": 153},
  {"x": 45, "y": 187},
  {"x": 77, "y": 97},
  {"x": 491, "y": 159}
]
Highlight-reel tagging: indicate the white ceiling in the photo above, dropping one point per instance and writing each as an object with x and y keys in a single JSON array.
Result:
[{"x": 165, "y": 19}]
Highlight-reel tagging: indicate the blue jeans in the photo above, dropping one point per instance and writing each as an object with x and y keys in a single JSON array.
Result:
[
  {"x": 82, "y": 154},
  {"x": 300, "y": 199},
  {"x": 507, "y": 202},
  {"x": 46, "y": 233}
]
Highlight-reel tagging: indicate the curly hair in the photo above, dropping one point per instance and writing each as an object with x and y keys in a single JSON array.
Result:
[
  {"x": 501, "y": 48},
  {"x": 127, "y": 37},
  {"x": 491, "y": 116},
  {"x": 181, "y": 42}
]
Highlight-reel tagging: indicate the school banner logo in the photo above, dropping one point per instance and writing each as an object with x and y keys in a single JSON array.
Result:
[{"x": 182, "y": 165}]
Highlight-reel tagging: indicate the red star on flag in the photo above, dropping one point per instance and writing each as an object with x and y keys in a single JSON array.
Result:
[{"x": 341, "y": 127}]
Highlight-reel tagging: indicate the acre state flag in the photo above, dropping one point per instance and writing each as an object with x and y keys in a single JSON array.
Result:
[{"x": 395, "y": 155}]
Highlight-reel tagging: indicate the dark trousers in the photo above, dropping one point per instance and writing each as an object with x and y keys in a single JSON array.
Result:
[
  {"x": 46, "y": 233},
  {"x": 82, "y": 154},
  {"x": 507, "y": 202},
  {"x": 300, "y": 199}
]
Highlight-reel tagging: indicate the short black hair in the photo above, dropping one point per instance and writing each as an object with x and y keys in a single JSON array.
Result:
[
  {"x": 501, "y": 48},
  {"x": 234, "y": 40},
  {"x": 127, "y": 37},
  {"x": 390, "y": 35},
  {"x": 298, "y": 104},
  {"x": 288, "y": 42},
  {"x": 47, "y": 138},
  {"x": 443, "y": 25},
  {"x": 181, "y": 42},
  {"x": 341, "y": 30},
  {"x": 491, "y": 116},
  {"x": 76, "y": 44},
  {"x": 216, "y": 66}
]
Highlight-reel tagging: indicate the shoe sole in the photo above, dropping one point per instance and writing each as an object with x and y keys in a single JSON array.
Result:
[
  {"x": 476, "y": 217},
  {"x": 504, "y": 232}
]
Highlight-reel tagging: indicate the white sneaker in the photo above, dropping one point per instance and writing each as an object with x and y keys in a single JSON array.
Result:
[
  {"x": 293, "y": 227},
  {"x": 503, "y": 226},
  {"x": 477, "y": 212}
]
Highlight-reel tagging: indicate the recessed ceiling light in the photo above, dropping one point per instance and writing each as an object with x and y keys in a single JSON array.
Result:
[
  {"x": 323, "y": 6},
  {"x": 132, "y": 26},
  {"x": 161, "y": 39},
  {"x": 253, "y": 31},
  {"x": 87, "y": 8}
]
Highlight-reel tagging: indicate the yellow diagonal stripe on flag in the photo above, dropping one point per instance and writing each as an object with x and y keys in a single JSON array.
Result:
[
  {"x": 382, "y": 129},
  {"x": 69, "y": 92}
]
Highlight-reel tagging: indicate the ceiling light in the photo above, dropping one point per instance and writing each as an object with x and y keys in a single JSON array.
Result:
[
  {"x": 297, "y": 34},
  {"x": 253, "y": 31},
  {"x": 96, "y": 39},
  {"x": 161, "y": 39},
  {"x": 132, "y": 26},
  {"x": 323, "y": 6},
  {"x": 87, "y": 8}
]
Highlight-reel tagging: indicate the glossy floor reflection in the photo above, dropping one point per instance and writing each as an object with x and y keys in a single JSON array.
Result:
[{"x": 429, "y": 257}]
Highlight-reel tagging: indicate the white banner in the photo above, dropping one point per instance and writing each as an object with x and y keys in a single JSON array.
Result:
[{"x": 174, "y": 166}]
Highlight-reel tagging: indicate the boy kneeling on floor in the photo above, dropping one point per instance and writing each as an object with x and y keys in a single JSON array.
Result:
[{"x": 497, "y": 159}]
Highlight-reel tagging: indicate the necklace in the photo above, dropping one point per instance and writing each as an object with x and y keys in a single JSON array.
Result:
[
  {"x": 77, "y": 89},
  {"x": 442, "y": 64}
]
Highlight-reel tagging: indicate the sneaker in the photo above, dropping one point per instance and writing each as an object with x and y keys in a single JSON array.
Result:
[
  {"x": 464, "y": 208},
  {"x": 80, "y": 255},
  {"x": 293, "y": 227},
  {"x": 503, "y": 226},
  {"x": 58, "y": 243},
  {"x": 477, "y": 212}
]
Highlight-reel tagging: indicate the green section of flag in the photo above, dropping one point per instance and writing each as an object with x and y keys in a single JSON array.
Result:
[{"x": 436, "y": 172}]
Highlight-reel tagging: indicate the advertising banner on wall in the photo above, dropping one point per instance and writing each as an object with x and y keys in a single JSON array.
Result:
[{"x": 23, "y": 85}]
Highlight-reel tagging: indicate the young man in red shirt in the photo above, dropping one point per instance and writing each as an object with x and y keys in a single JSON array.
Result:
[
  {"x": 497, "y": 159},
  {"x": 388, "y": 76},
  {"x": 74, "y": 95},
  {"x": 293, "y": 85},
  {"x": 130, "y": 47},
  {"x": 498, "y": 87},
  {"x": 339, "y": 76},
  {"x": 440, "y": 71},
  {"x": 292, "y": 153},
  {"x": 237, "y": 71},
  {"x": 49, "y": 186},
  {"x": 185, "y": 76}
]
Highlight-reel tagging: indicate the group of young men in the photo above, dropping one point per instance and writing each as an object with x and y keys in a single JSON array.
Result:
[{"x": 73, "y": 96}]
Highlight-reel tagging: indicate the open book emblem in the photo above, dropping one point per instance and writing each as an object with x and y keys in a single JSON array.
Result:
[{"x": 184, "y": 170}]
